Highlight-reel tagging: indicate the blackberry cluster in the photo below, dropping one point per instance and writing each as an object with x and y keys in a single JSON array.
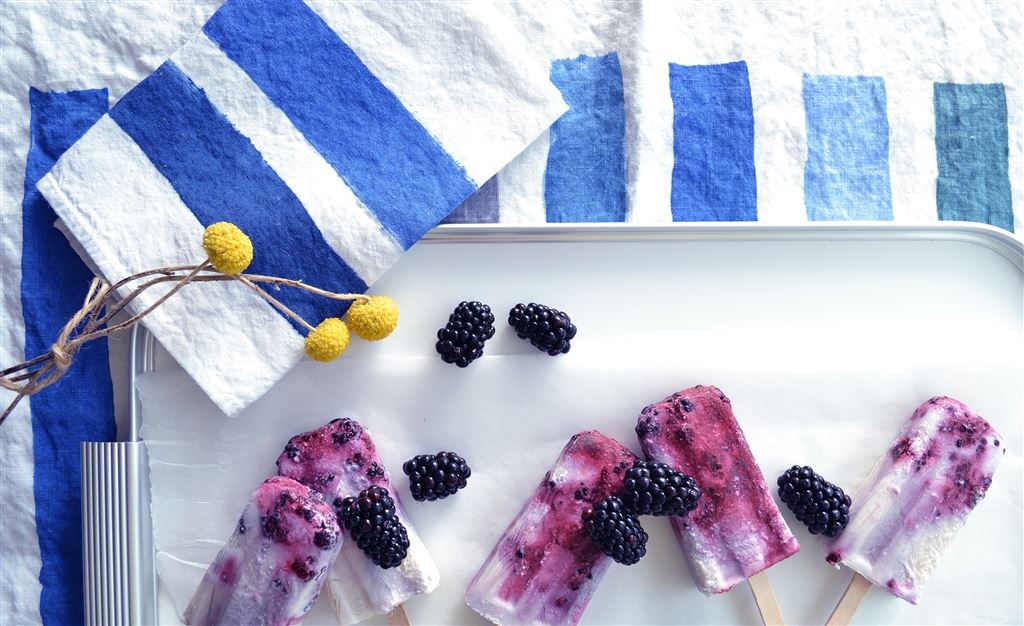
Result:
[
  {"x": 617, "y": 530},
  {"x": 371, "y": 520},
  {"x": 436, "y": 476},
  {"x": 549, "y": 330},
  {"x": 820, "y": 505},
  {"x": 462, "y": 339},
  {"x": 657, "y": 489}
]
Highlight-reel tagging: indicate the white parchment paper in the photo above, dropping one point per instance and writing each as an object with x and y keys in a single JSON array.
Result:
[{"x": 510, "y": 415}]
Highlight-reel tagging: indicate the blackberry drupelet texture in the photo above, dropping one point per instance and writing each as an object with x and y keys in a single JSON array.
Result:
[
  {"x": 823, "y": 507},
  {"x": 549, "y": 330},
  {"x": 436, "y": 476},
  {"x": 371, "y": 520},
  {"x": 657, "y": 489},
  {"x": 462, "y": 339},
  {"x": 616, "y": 530}
]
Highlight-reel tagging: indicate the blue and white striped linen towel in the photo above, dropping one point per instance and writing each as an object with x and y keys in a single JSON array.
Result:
[{"x": 334, "y": 134}]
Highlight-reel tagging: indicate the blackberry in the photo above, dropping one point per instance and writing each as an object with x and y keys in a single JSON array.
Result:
[
  {"x": 549, "y": 330},
  {"x": 657, "y": 489},
  {"x": 619, "y": 533},
  {"x": 820, "y": 505},
  {"x": 462, "y": 339},
  {"x": 436, "y": 476},
  {"x": 371, "y": 520}
]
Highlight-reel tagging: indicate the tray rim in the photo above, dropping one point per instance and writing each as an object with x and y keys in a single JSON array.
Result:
[{"x": 1006, "y": 244}]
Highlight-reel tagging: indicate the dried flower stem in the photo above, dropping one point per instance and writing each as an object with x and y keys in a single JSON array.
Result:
[
  {"x": 277, "y": 304},
  {"x": 90, "y": 321}
]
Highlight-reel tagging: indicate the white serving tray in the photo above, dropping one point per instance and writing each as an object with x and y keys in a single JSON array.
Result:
[{"x": 825, "y": 336}]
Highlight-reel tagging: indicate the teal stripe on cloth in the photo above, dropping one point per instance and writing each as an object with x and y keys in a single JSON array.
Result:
[{"x": 972, "y": 148}]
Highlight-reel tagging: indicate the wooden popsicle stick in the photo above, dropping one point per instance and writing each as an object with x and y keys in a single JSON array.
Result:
[
  {"x": 397, "y": 616},
  {"x": 764, "y": 597},
  {"x": 847, "y": 606}
]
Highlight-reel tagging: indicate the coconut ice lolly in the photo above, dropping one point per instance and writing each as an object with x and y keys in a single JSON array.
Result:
[
  {"x": 917, "y": 497},
  {"x": 736, "y": 531},
  {"x": 272, "y": 568},
  {"x": 545, "y": 567},
  {"x": 340, "y": 460}
]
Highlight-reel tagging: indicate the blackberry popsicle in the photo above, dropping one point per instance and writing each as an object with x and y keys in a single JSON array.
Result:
[
  {"x": 545, "y": 567},
  {"x": 914, "y": 501},
  {"x": 383, "y": 562},
  {"x": 736, "y": 532},
  {"x": 272, "y": 568}
]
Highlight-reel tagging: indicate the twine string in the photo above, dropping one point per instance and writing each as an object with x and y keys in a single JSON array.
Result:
[
  {"x": 91, "y": 321},
  {"x": 276, "y": 303}
]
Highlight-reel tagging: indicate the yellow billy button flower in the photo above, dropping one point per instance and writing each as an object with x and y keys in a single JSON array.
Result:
[
  {"x": 327, "y": 341},
  {"x": 229, "y": 249},
  {"x": 373, "y": 320}
]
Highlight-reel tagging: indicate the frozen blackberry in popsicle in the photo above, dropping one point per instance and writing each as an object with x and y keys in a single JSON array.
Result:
[
  {"x": 371, "y": 520},
  {"x": 462, "y": 339},
  {"x": 436, "y": 476},
  {"x": 657, "y": 489},
  {"x": 545, "y": 566},
  {"x": 915, "y": 499},
  {"x": 340, "y": 460},
  {"x": 617, "y": 530},
  {"x": 547, "y": 329},
  {"x": 820, "y": 505},
  {"x": 736, "y": 531}
]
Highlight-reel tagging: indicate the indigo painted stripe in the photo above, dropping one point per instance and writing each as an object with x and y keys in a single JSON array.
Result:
[
  {"x": 713, "y": 143},
  {"x": 391, "y": 162},
  {"x": 220, "y": 175},
  {"x": 846, "y": 175},
  {"x": 479, "y": 208},
  {"x": 972, "y": 146},
  {"x": 80, "y": 407},
  {"x": 352, "y": 231},
  {"x": 585, "y": 178}
]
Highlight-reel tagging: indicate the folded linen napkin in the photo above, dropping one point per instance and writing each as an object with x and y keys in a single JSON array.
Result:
[{"x": 334, "y": 134}]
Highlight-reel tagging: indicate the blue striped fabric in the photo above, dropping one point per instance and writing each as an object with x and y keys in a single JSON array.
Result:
[
  {"x": 388, "y": 159},
  {"x": 211, "y": 134},
  {"x": 846, "y": 175},
  {"x": 585, "y": 179},
  {"x": 713, "y": 143},
  {"x": 220, "y": 175},
  {"x": 80, "y": 407}
]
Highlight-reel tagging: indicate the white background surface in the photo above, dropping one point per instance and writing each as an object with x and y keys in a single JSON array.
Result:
[{"x": 824, "y": 347}]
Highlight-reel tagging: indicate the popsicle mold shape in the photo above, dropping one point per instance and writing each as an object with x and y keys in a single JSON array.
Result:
[
  {"x": 545, "y": 568},
  {"x": 340, "y": 460},
  {"x": 272, "y": 568},
  {"x": 917, "y": 496},
  {"x": 736, "y": 531}
]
